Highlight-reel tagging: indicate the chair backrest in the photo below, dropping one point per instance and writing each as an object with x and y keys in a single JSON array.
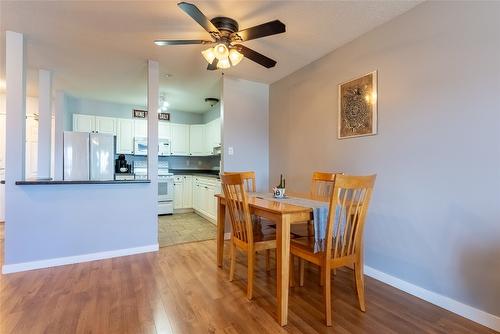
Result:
[
  {"x": 347, "y": 214},
  {"x": 322, "y": 185},
  {"x": 237, "y": 205},
  {"x": 248, "y": 179}
]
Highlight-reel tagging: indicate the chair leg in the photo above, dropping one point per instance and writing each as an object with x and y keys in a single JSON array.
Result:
[
  {"x": 251, "y": 260},
  {"x": 321, "y": 276},
  {"x": 301, "y": 270},
  {"x": 328, "y": 295},
  {"x": 360, "y": 286},
  {"x": 292, "y": 268},
  {"x": 233, "y": 260},
  {"x": 268, "y": 260}
]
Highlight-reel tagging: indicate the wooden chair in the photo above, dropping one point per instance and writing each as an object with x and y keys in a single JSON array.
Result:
[
  {"x": 344, "y": 236},
  {"x": 248, "y": 180},
  {"x": 249, "y": 183},
  {"x": 244, "y": 235}
]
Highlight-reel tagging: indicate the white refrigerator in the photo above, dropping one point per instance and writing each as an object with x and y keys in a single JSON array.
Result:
[{"x": 88, "y": 156}]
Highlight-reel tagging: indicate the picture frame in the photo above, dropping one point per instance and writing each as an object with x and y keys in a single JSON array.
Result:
[{"x": 358, "y": 107}]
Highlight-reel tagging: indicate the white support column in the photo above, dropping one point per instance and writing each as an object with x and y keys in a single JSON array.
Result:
[
  {"x": 58, "y": 135},
  {"x": 15, "y": 124},
  {"x": 153, "y": 100},
  {"x": 44, "y": 122}
]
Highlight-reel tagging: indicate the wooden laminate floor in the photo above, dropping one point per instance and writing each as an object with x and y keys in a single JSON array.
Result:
[{"x": 179, "y": 290}]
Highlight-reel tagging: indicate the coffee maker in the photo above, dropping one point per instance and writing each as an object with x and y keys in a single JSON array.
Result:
[{"x": 121, "y": 166}]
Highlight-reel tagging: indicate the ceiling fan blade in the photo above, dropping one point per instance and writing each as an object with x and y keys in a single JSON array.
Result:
[
  {"x": 255, "y": 56},
  {"x": 262, "y": 30},
  {"x": 199, "y": 17},
  {"x": 213, "y": 66},
  {"x": 162, "y": 42}
]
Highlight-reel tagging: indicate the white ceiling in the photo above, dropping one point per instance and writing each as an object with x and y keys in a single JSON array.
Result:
[{"x": 99, "y": 49}]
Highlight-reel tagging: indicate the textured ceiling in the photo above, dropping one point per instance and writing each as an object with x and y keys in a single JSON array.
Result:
[{"x": 99, "y": 49}]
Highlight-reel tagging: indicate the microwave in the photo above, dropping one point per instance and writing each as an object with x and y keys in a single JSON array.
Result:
[
  {"x": 140, "y": 146},
  {"x": 163, "y": 147}
]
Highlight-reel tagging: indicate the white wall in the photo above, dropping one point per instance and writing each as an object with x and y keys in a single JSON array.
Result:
[
  {"x": 245, "y": 118},
  {"x": 435, "y": 216}
]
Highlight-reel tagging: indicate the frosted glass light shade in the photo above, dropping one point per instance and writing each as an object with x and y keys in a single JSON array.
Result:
[
  {"x": 235, "y": 57},
  {"x": 224, "y": 63},
  {"x": 221, "y": 51},
  {"x": 209, "y": 55}
]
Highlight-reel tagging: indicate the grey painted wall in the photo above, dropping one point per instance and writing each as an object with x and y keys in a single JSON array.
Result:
[
  {"x": 245, "y": 118},
  {"x": 435, "y": 216}
]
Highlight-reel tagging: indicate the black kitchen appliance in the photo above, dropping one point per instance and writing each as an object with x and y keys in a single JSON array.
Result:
[{"x": 121, "y": 166}]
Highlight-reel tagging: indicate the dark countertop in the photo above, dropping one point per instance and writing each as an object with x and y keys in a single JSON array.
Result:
[
  {"x": 197, "y": 172},
  {"x": 51, "y": 182}
]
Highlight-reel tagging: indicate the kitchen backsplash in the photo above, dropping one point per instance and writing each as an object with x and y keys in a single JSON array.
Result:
[{"x": 205, "y": 163}]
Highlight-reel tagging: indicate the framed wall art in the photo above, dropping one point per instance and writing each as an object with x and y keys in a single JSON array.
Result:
[{"x": 357, "y": 110}]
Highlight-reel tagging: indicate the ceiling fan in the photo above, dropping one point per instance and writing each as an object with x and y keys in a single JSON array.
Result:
[{"x": 227, "y": 37}]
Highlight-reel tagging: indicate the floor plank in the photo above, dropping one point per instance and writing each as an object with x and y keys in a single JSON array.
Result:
[{"x": 180, "y": 290}]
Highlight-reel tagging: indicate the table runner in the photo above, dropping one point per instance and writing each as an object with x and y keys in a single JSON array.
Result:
[{"x": 320, "y": 214}]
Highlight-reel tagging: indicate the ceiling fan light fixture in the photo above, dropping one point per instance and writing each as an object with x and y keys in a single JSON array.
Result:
[
  {"x": 221, "y": 51},
  {"x": 224, "y": 63},
  {"x": 235, "y": 57},
  {"x": 209, "y": 55}
]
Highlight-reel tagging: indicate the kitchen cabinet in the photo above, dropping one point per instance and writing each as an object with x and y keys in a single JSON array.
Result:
[
  {"x": 140, "y": 128},
  {"x": 124, "y": 136},
  {"x": 183, "y": 191},
  {"x": 83, "y": 123},
  {"x": 164, "y": 131},
  {"x": 180, "y": 139},
  {"x": 197, "y": 146},
  {"x": 105, "y": 125},
  {"x": 89, "y": 123},
  {"x": 204, "y": 201},
  {"x": 213, "y": 135}
]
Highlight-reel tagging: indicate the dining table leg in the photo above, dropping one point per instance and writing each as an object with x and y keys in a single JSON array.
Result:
[
  {"x": 221, "y": 222},
  {"x": 283, "y": 267}
]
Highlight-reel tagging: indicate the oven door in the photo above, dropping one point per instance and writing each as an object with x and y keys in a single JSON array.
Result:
[{"x": 166, "y": 189}]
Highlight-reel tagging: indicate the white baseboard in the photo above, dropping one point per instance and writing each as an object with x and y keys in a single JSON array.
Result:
[
  {"x": 61, "y": 261},
  {"x": 466, "y": 311}
]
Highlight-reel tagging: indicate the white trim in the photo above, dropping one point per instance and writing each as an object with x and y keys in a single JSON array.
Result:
[
  {"x": 61, "y": 261},
  {"x": 486, "y": 319}
]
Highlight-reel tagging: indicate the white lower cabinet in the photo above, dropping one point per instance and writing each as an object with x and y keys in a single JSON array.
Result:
[
  {"x": 183, "y": 191},
  {"x": 204, "y": 201}
]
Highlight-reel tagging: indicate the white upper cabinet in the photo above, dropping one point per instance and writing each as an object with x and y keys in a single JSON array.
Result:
[
  {"x": 105, "y": 125},
  {"x": 141, "y": 128},
  {"x": 213, "y": 135},
  {"x": 124, "y": 136},
  {"x": 83, "y": 123},
  {"x": 197, "y": 140},
  {"x": 180, "y": 139},
  {"x": 164, "y": 131}
]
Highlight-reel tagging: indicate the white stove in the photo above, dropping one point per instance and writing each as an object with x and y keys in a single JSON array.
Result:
[{"x": 165, "y": 189}]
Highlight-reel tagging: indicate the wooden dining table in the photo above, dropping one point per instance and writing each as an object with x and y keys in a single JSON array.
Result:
[{"x": 283, "y": 215}]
